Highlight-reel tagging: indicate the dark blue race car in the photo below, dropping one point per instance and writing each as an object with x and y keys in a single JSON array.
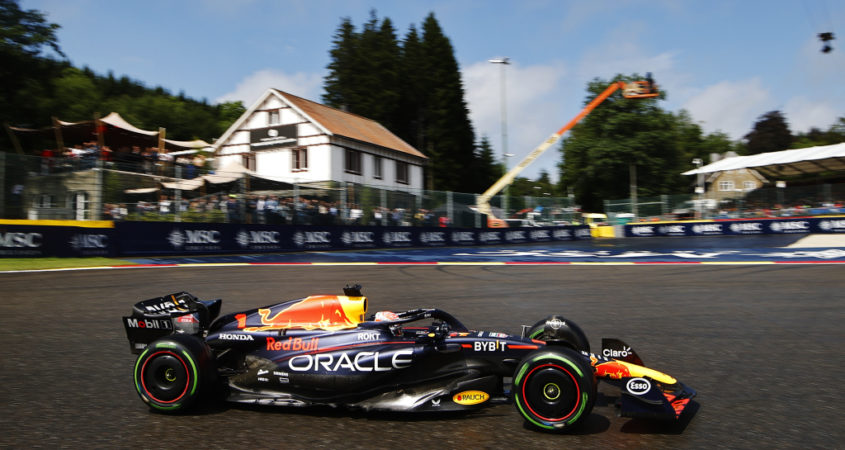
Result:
[{"x": 325, "y": 350}]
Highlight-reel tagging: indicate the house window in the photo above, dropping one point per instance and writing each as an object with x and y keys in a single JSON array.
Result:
[
  {"x": 377, "y": 167},
  {"x": 353, "y": 161},
  {"x": 725, "y": 186},
  {"x": 248, "y": 161},
  {"x": 401, "y": 172},
  {"x": 299, "y": 159},
  {"x": 274, "y": 117},
  {"x": 749, "y": 185}
]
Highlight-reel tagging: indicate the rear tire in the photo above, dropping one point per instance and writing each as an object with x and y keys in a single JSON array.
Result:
[
  {"x": 172, "y": 372},
  {"x": 554, "y": 388}
]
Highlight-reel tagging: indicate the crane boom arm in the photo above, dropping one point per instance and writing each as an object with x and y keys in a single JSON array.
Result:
[{"x": 484, "y": 199}]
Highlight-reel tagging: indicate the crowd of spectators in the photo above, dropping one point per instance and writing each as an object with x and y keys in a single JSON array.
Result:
[
  {"x": 269, "y": 209},
  {"x": 131, "y": 159}
]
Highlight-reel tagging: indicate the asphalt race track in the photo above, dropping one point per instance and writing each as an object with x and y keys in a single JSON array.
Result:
[{"x": 760, "y": 343}]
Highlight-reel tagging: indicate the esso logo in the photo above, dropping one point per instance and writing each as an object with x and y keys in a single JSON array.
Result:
[{"x": 638, "y": 386}]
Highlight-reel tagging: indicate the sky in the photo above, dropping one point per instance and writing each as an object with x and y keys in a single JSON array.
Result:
[{"x": 726, "y": 62}]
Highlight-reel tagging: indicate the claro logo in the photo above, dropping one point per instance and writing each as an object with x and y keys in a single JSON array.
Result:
[
  {"x": 20, "y": 240},
  {"x": 470, "y": 397}
]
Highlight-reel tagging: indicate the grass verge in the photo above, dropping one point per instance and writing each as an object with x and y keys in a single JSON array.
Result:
[{"x": 58, "y": 263}]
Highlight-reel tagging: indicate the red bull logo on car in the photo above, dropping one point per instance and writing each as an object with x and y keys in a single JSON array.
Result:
[{"x": 326, "y": 312}]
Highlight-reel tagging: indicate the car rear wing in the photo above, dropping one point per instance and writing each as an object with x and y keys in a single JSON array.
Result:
[{"x": 157, "y": 317}]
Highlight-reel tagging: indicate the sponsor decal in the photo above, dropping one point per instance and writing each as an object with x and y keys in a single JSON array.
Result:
[
  {"x": 836, "y": 226},
  {"x": 234, "y": 337},
  {"x": 497, "y": 335},
  {"x": 177, "y": 304},
  {"x": 369, "y": 336},
  {"x": 20, "y": 240},
  {"x": 462, "y": 237},
  {"x": 264, "y": 379},
  {"x": 517, "y": 235},
  {"x": 638, "y": 386},
  {"x": 188, "y": 318},
  {"x": 89, "y": 241},
  {"x": 488, "y": 346},
  {"x": 487, "y": 237},
  {"x": 263, "y": 372},
  {"x": 793, "y": 226},
  {"x": 614, "y": 353},
  {"x": 707, "y": 228},
  {"x": 672, "y": 230},
  {"x": 312, "y": 238},
  {"x": 194, "y": 239},
  {"x": 642, "y": 230},
  {"x": 470, "y": 397},
  {"x": 747, "y": 228},
  {"x": 555, "y": 323},
  {"x": 155, "y": 324},
  {"x": 583, "y": 233},
  {"x": 353, "y": 362},
  {"x": 562, "y": 234},
  {"x": 357, "y": 237},
  {"x": 396, "y": 237},
  {"x": 435, "y": 402},
  {"x": 293, "y": 344},
  {"x": 540, "y": 235},
  {"x": 433, "y": 237},
  {"x": 258, "y": 239}
]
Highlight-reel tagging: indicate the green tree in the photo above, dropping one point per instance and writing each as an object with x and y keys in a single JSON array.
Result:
[
  {"x": 770, "y": 134},
  {"x": 620, "y": 134},
  {"x": 448, "y": 134},
  {"x": 485, "y": 170}
]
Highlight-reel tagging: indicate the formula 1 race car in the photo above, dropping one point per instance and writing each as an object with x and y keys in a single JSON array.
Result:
[{"x": 323, "y": 350}]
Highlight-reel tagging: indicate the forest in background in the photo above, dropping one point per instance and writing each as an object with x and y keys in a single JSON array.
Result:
[{"x": 412, "y": 85}]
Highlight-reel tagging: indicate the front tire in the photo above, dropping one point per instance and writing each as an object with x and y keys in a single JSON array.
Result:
[
  {"x": 554, "y": 388},
  {"x": 558, "y": 330},
  {"x": 171, "y": 372}
]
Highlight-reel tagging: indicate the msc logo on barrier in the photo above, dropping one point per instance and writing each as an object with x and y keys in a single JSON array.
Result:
[
  {"x": 260, "y": 238},
  {"x": 20, "y": 240},
  {"x": 193, "y": 238}
]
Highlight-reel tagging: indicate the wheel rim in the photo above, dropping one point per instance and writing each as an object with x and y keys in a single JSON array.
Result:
[
  {"x": 165, "y": 377},
  {"x": 551, "y": 392}
]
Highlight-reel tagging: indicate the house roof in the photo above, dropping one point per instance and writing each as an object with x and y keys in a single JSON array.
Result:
[{"x": 352, "y": 126}]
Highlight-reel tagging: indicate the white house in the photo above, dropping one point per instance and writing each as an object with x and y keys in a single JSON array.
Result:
[{"x": 288, "y": 138}]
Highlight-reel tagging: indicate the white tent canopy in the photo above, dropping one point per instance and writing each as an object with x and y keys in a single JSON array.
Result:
[{"x": 825, "y": 158}]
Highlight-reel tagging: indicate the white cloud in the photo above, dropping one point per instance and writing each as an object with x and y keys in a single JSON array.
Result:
[
  {"x": 730, "y": 106},
  {"x": 532, "y": 104},
  {"x": 305, "y": 85},
  {"x": 803, "y": 114}
]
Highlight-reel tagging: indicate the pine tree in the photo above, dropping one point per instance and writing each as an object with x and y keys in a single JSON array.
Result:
[{"x": 449, "y": 137}]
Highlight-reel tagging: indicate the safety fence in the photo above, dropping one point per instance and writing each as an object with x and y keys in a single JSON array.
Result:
[
  {"x": 61, "y": 189},
  {"x": 85, "y": 188},
  {"x": 168, "y": 238}
]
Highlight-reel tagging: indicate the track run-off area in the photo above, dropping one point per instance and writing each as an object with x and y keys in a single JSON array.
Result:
[{"x": 756, "y": 336}]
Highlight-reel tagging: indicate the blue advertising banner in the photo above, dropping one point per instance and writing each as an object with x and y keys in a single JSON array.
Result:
[
  {"x": 160, "y": 238},
  {"x": 739, "y": 227},
  {"x": 21, "y": 241}
]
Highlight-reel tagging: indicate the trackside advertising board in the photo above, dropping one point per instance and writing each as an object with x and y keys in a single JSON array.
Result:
[
  {"x": 165, "y": 238},
  {"x": 20, "y": 241},
  {"x": 161, "y": 238},
  {"x": 738, "y": 227}
]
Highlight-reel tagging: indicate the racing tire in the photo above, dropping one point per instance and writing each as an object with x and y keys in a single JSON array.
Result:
[
  {"x": 554, "y": 389},
  {"x": 558, "y": 330},
  {"x": 172, "y": 372}
]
